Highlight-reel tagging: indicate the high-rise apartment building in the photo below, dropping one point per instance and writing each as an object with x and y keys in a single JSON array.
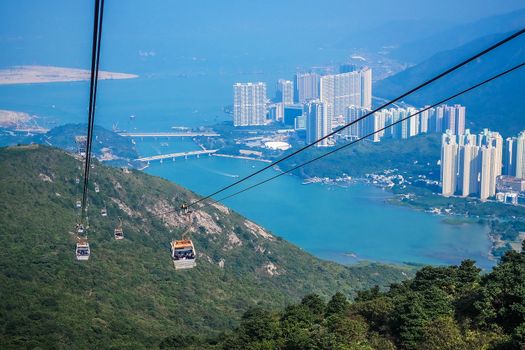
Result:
[
  {"x": 346, "y": 89},
  {"x": 454, "y": 119},
  {"x": 366, "y": 88},
  {"x": 306, "y": 87},
  {"x": 412, "y": 122},
  {"x": 438, "y": 119},
  {"x": 520, "y": 155},
  {"x": 373, "y": 124},
  {"x": 509, "y": 159},
  {"x": 491, "y": 144},
  {"x": 425, "y": 118},
  {"x": 353, "y": 113},
  {"x": 406, "y": 127},
  {"x": 468, "y": 164},
  {"x": 449, "y": 154},
  {"x": 249, "y": 104},
  {"x": 317, "y": 122},
  {"x": 285, "y": 92}
]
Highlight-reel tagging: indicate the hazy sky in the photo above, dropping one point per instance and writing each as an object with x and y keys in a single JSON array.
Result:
[{"x": 53, "y": 32}]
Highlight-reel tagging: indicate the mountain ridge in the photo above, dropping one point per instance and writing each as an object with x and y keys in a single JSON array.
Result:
[{"x": 496, "y": 105}]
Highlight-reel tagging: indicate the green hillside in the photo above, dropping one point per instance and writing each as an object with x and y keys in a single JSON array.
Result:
[
  {"x": 128, "y": 294},
  {"x": 442, "y": 308}
]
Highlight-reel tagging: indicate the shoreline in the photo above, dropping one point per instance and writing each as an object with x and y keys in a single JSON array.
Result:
[{"x": 34, "y": 74}]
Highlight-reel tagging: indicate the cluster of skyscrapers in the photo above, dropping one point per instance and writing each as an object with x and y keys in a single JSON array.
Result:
[
  {"x": 482, "y": 165},
  {"x": 471, "y": 164},
  {"x": 320, "y": 103},
  {"x": 406, "y": 122},
  {"x": 312, "y": 101}
]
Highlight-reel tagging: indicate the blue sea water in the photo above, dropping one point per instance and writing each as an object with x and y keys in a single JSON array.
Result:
[{"x": 335, "y": 223}]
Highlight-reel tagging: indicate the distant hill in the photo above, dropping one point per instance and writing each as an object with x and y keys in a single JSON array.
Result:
[
  {"x": 392, "y": 35},
  {"x": 497, "y": 106},
  {"x": 128, "y": 295},
  {"x": 422, "y": 47},
  {"x": 107, "y": 145}
]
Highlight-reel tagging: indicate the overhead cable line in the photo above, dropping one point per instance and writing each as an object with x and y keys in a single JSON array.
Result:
[
  {"x": 409, "y": 92},
  {"x": 95, "y": 58}
]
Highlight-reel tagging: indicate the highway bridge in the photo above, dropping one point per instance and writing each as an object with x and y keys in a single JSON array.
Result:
[
  {"x": 177, "y": 155},
  {"x": 168, "y": 134}
]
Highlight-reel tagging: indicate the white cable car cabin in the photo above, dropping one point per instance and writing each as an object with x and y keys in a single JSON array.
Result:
[
  {"x": 119, "y": 233},
  {"x": 97, "y": 189},
  {"x": 80, "y": 228},
  {"x": 77, "y": 180},
  {"x": 78, "y": 204},
  {"x": 104, "y": 212},
  {"x": 82, "y": 250},
  {"x": 183, "y": 254}
]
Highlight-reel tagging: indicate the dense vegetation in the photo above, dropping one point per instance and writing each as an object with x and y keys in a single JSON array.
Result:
[
  {"x": 416, "y": 155},
  {"x": 442, "y": 308},
  {"x": 128, "y": 294}
]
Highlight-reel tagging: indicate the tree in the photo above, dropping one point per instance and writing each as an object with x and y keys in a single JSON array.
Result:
[
  {"x": 370, "y": 294},
  {"x": 337, "y": 304},
  {"x": 315, "y": 304},
  {"x": 348, "y": 330},
  {"x": 442, "y": 334},
  {"x": 502, "y": 294},
  {"x": 409, "y": 320},
  {"x": 258, "y": 324}
]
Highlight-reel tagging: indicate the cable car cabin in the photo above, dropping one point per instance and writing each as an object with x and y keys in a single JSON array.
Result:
[
  {"x": 183, "y": 254},
  {"x": 78, "y": 204},
  {"x": 119, "y": 233},
  {"x": 97, "y": 189},
  {"x": 82, "y": 250},
  {"x": 77, "y": 180},
  {"x": 80, "y": 228},
  {"x": 104, "y": 212}
]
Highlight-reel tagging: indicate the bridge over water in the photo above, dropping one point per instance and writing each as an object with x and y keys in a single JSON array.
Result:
[
  {"x": 177, "y": 155},
  {"x": 168, "y": 134}
]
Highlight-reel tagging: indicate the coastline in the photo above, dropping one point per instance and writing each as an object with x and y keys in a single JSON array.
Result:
[{"x": 52, "y": 74}]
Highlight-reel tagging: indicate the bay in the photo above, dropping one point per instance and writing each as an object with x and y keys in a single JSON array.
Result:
[{"x": 345, "y": 225}]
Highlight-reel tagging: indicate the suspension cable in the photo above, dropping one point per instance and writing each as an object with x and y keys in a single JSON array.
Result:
[{"x": 95, "y": 58}]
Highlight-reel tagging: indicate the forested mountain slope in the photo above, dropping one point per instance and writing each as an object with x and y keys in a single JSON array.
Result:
[{"x": 128, "y": 294}]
